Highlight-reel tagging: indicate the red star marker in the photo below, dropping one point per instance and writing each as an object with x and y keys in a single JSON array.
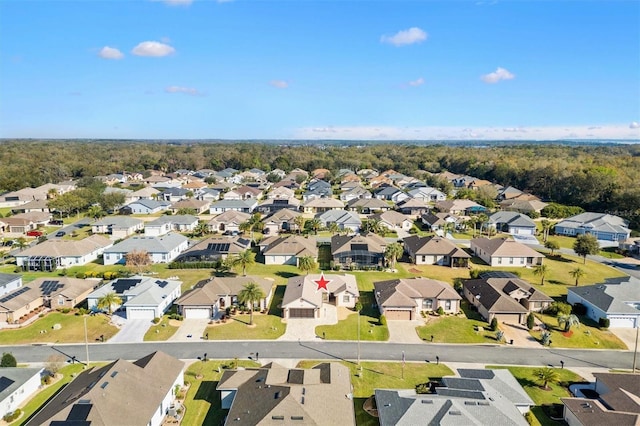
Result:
[{"x": 322, "y": 282}]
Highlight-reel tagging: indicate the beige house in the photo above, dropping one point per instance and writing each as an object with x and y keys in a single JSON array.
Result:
[
  {"x": 287, "y": 250},
  {"x": 393, "y": 220},
  {"x": 209, "y": 299},
  {"x": 281, "y": 221},
  {"x": 199, "y": 206},
  {"x": 118, "y": 227},
  {"x": 274, "y": 394},
  {"x": 505, "y": 252},
  {"x": 435, "y": 251},
  {"x": 228, "y": 221},
  {"x": 305, "y": 296},
  {"x": 404, "y": 299},
  {"x": 320, "y": 205}
]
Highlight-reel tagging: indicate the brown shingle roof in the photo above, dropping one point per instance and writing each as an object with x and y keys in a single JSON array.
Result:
[
  {"x": 403, "y": 292},
  {"x": 504, "y": 247},
  {"x": 207, "y": 293}
]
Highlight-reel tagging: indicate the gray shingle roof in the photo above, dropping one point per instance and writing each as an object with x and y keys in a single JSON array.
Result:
[
  {"x": 163, "y": 244},
  {"x": 612, "y": 298}
]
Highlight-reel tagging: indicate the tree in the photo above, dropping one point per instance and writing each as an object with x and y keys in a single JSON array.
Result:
[
  {"x": 8, "y": 360},
  {"x": 108, "y": 301},
  {"x": 541, "y": 270},
  {"x": 137, "y": 260},
  {"x": 300, "y": 221},
  {"x": 111, "y": 200},
  {"x": 21, "y": 243},
  {"x": 333, "y": 228},
  {"x": 546, "y": 226},
  {"x": 372, "y": 225},
  {"x": 250, "y": 294},
  {"x": 586, "y": 244},
  {"x": 552, "y": 245},
  {"x": 95, "y": 211},
  {"x": 54, "y": 363},
  {"x": 531, "y": 321},
  {"x": 546, "y": 375},
  {"x": 201, "y": 229},
  {"x": 307, "y": 264},
  {"x": 494, "y": 324},
  {"x": 392, "y": 253},
  {"x": 315, "y": 224},
  {"x": 244, "y": 259},
  {"x": 577, "y": 274},
  {"x": 567, "y": 321}
]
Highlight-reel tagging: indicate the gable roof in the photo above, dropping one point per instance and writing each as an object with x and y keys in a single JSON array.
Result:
[
  {"x": 231, "y": 217},
  {"x": 118, "y": 222},
  {"x": 512, "y": 219},
  {"x": 146, "y": 290},
  {"x": 291, "y": 245},
  {"x": 177, "y": 219},
  {"x": 339, "y": 217},
  {"x": 374, "y": 243},
  {"x": 612, "y": 298},
  {"x": 404, "y": 292},
  {"x": 213, "y": 246},
  {"x": 426, "y": 246},
  {"x": 369, "y": 203},
  {"x": 494, "y": 294},
  {"x": 161, "y": 244},
  {"x": 600, "y": 222},
  {"x": 282, "y": 215},
  {"x": 208, "y": 292},
  {"x": 72, "y": 248},
  {"x": 304, "y": 287},
  {"x": 504, "y": 247},
  {"x": 391, "y": 217},
  {"x": 324, "y": 203}
]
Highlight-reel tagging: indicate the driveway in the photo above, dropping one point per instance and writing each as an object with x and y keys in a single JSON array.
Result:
[
  {"x": 520, "y": 335},
  {"x": 304, "y": 329},
  {"x": 191, "y": 330},
  {"x": 627, "y": 335},
  {"x": 404, "y": 331},
  {"x": 132, "y": 331}
]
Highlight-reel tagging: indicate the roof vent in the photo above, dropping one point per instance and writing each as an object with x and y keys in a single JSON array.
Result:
[
  {"x": 427, "y": 401},
  {"x": 455, "y": 413},
  {"x": 297, "y": 418}
]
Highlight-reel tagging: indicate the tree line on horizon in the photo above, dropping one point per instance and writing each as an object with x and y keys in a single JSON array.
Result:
[{"x": 596, "y": 178}]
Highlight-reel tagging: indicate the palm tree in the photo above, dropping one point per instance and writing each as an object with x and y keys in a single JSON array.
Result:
[
  {"x": 546, "y": 226},
  {"x": 577, "y": 274},
  {"x": 372, "y": 225},
  {"x": 315, "y": 224},
  {"x": 307, "y": 264},
  {"x": 108, "y": 300},
  {"x": 300, "y": 221},
  {"x": 244, "y": 258},
  {"x": 21, "y": 243},
  {"x": 546, "y": 375},
  {"x": 392, "y": 253},
  {"x": 201, "y": 229},
  {"x": 333, "y": 228},
  {"x": 245, "y": 227},
  {"x": 95, "y": 211},
  {"x": 250, "y": 294},
  {"x": 552, "y": 245},
  {"x": 541, "y": 270},
  {"x": 568, "y": 321},
  {"x": 481, "y": 219}
]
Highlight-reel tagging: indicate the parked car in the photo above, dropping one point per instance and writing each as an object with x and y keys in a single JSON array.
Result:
[
  {"x": 56, "y": 222},
  {"x": 60, "y": 234},
  {"x": 34, "y": 233}
]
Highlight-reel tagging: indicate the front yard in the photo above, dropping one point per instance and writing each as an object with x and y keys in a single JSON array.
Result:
[
  {"x": 347, "y": 329},
  {"x": 163, "y": 330},
  {"x": 584, "y": 336},
  {"x": 468, "y": 327},
  {"x": 237, "y": 328}
]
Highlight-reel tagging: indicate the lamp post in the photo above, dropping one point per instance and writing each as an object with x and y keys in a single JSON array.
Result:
[
  {"x": 635, "y": 351},
  {"x": 359, "y": 339},
  {"x": 86, "y": 339}
]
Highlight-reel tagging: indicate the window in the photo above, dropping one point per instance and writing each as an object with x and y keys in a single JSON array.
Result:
[
  {"x": 424, "y": 258},
  {"x": 511, "y": 260},
  {"x": 447, "y": 305},
  {"x": 60, "y": 301},
  {"x": 346, "y": 298},
  {"x": 427, "y": 304},
  {"x": 499, "y": 261}
]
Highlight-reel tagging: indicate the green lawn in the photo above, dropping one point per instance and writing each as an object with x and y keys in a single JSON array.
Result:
[
  {"x": 457, "y": 329},
  {"x": 237, "y": 328},
  {"x": 72, "y": 330},
  {"x": 202, "y": 402},
  {"x": 161, "y": 331},
  {"x": 347, "y": 329},
  {"x": 541, "y": 397},
  {"x": 585, "y": 336}
]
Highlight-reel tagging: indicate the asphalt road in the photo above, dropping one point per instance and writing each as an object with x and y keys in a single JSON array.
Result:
[{"x": 483, "y": 354}]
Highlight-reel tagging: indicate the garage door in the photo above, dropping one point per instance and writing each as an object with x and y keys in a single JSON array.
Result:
[
  {"x": 139, "y": 313},
  {"x": 508, "y": 318},
  {"x": 397, "y": 314},
  {"x": 300, "y": 313},
  {"x": 197, "y": 313},
  {"x": 621, "y": 322}
]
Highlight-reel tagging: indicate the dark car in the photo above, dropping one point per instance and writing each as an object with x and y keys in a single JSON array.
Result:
[{"x": 60, "y": 234}]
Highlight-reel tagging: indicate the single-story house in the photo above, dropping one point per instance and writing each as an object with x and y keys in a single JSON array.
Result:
[
  {"x": 17, "y": 225},
  {"x": 504, "y": 296},
  {"x": 393, "y": 220},
  {"x": 512, "y": 223},
  {"x": 145, "y": 206},
  {"x": 435, "y": 251},
  {"x": 243, "y": 193},
  {"x": 346, "y": 220},
  {"x": 413, "y": 207},
  {"x": 142, "y": 297},
  {"x": 198, "y": 206},
  {"x": 505, "y": 252},
  {"x": 210, "y": 298},
  {"x": 459, "y": 207},
  {"x": 174, "y": 194},
  {"x": 228, "y": 221},
  {"x": 438, "y": 221},
  {"x": 477, "y": 397},
  {"x": 354, "y": 193},
  {"x": 427, "y": 194},
  {"x": 271, "y": 205},
  {"x": 9, "y": 282},
  {"x": 280, "y": 221},
  {"x": 305, "y": 295},
  {"x": 358, "y": 251},
  {"x": 163, "y": 249},
  {"x": 404, "y": 299},
  {"x": 287, "y": 250},
  {"x": 281, "y": 192},
  {"x": 146, "y": 193},
  {"x": 276, "y": 395},
  {"x": 244, "y": 206},
  {"x": 52, "y": 254},
  {"x": 390, "y": 193},
  {"x": 632, "y": 245},
  {"x": 17, "y": 384},
  {"x": 141, "y": 392},
  {"x": 166, "y": 224},
  {"x": 321, "y": 205},
  {"x": 117, "y": 226},
  {"x": 214, "y": 248},
  {"x": 40, "y": 206},
  {"x": 368, "y": 205},
  {"x": 523, "y": 206},
  {"x": 617, "y": 301},
  {"x": 603, "y": 226},
  {"x": 209, "y": 194}
]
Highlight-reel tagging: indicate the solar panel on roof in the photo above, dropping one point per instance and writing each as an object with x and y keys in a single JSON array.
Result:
[
  {"x": 358, "y": 247},
  {"x": 79, "y": 412},
  {"x": 14, "y": 294},
  {"x": 162, "y": 284},
  {"x": 497, "y": 274},
  {"x": 49, "y": 286},
  {"x": 218, "y": 247},
  {"x": 5, "y": 382},
  {"x": 122, "y": 285}
]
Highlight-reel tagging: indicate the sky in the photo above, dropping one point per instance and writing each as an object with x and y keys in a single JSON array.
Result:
[{"x": 306, "y": 69}]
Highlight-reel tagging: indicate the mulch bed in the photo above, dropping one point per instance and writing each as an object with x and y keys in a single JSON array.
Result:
[{"x": 567, "y": 333}]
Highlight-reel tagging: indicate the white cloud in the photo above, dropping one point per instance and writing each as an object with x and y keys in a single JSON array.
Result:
[
  {"x": 608, "y": 132},
  {"x": 498, "y": 75},
  {"x": 417, "y": 82},
  {"x": 280, "y": 84},
  {"x": 634, "y": 125},
  {"x": 110, "y": 53},
  {"x": 186, "y": 90},
  {"x": 152, "y": 48},
  {"x": 405, "y": 37}
]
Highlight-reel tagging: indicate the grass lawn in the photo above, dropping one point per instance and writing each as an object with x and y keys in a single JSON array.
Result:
[
  {"x": 237, "y": 328},
  {"x": 457, "y": 329},
  {"x": 347, "y": 329},
  {"x": 585, "y": 336},
  {"x": 161, "y": 331},
  {"x": 72, "y": 330},
  {"x": 202, "y": 402},
  {"x": 541, "y": 397},
  {"x": 385, "y": 375},
  {"x": 42, "y": 396},
  {"x": 442, "y": 273}
]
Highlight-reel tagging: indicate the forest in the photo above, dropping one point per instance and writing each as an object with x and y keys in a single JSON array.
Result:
[{"x": 597, "y": 178}]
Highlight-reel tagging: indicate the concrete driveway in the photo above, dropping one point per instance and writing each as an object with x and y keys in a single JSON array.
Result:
[
  {"x": 627, "y": 335},
  {"x": 404, "y": 331},
  {"x": 191, "y": 330},
  {"x": 132, "y": 331},
  {"x": 520, "y": 335},
  {"x": 304, "y": 329}
]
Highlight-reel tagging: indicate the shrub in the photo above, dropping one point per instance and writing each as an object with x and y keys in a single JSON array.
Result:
[
  {"x": 12, "y": 416},
  {"x": 440, "y": 310},
  {"x": 422, "y": 388},
  {"x": 494, "y": 324},
  {"x": 8, "y": 360},
  {"x": 81, "y": 275},
  {"x": 558, "y": 308},
  {"x": 157, "y": 320},
  {"x": 604, "y": 322},
  {"x": 529, "y": 417},
  {"x": 579, "y": 309},
  {"x": 65, "y": 310},
  {"x": 531, "y": 321},
  {"x": 383, "y": 320}
]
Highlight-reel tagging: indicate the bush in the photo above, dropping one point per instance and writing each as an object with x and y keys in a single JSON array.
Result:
[
  {"x": 65, "y": 310},
  {"x": 558, "y": 308},
  {"x": 8, "y": 360},
  {"x": 157, "y": 320},
  {"x": 579, "y": 309},
  {"x": 81, "y": 275},
  {"x": 529, "y": 417},
  {"x": 531, "y": 321},
  {"x": 440, "y": 310},
  {"x": 12, "y": 416},
  {"x": 494, "y": 324},
  {"x": 422, "y": 388},
  {"x": 383, "y": 320},
  {"x": 604, "y": 322}
]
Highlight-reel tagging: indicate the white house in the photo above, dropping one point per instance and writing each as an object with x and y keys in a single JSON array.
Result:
[
  {"x": 619, "y": 302},
  {"x": 505, "y": 252},
  {"x": 9, "y": 282},
  {"x": 52, "y": 254},
  {"x": 161, "y": 249},
  {"x": 166, "y": 224},
  {"x": 17, "y": 384},
  {"x": 117, "y": 226},
  {"x": 306, "y": 295}
]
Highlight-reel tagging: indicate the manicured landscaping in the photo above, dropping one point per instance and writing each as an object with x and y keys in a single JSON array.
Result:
[
  {"x": 540, "y": 396},
  {"x": 347, "y": 329},
  {"x": 163, "y": 330},
  {"x": 202, "y": 402},
  {"x": 585, "y": 336},
  {"x": 71, "y": 331},
  {"x": 456, "y": 329},
  {"x": 237, "y": 328}
]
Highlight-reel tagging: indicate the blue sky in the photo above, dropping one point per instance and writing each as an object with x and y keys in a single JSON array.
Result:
[{"x": 253, "y": 69}]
